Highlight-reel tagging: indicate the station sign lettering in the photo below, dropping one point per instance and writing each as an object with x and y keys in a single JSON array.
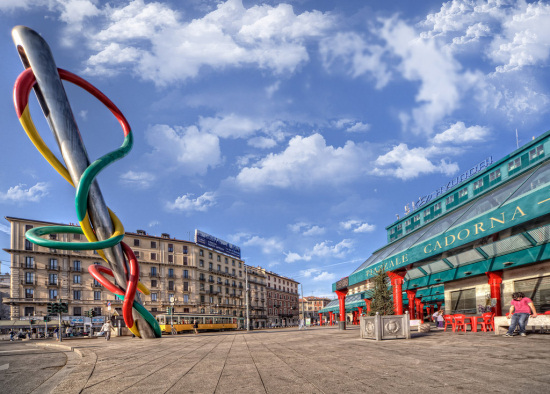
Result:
[{"x": 209, "y": 241}]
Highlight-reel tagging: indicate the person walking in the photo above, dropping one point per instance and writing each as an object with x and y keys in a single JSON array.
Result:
[
  {"x": 106, "y": 328},
  {"x": 520, "y": 309},
  {"x": 438, "y": 319},
  {"x": 196, "y": 327},
  {"x": 56, "y": 333},
  {"x": 12, "y": 335}
]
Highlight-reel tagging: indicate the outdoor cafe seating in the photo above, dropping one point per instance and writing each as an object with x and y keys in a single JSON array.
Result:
[{"x": 460, "y": 322}]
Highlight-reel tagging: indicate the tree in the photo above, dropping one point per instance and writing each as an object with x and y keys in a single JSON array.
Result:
[{"x": 382, "y": 296}]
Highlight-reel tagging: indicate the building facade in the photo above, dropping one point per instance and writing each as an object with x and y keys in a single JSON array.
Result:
[
  {"x": 282, "y": 300},
  {"x": 310, "y": 306},
  {"x": 197, "y": 279},
  {"x": 468, "y": 245}
]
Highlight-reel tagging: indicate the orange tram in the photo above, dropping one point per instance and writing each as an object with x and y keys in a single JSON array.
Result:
[{"x": 181, "y": 322}]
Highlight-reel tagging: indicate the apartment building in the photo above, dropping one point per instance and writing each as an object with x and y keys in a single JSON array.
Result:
[
  {"x": 199, "y": 280},
  {"x": 282, "y": 300},
  {"x": 311, "y": 307}
]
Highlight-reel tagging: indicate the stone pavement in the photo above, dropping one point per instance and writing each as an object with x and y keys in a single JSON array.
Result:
[{"x": 316, "y": 360}]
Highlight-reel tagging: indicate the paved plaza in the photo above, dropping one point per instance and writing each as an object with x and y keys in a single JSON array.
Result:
[{"x": 316, "y": 360}]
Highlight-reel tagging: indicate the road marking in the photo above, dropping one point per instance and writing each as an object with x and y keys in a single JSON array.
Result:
[{"x": 5, "y": 366}]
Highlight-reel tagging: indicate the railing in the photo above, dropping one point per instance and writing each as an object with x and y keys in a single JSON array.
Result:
[
  {"x": 28, "y": 266},
  {"x": 153, "y": 275}
]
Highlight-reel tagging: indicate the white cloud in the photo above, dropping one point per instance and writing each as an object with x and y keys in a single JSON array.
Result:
[
  {"x": 5, "y": 229},
  {"x": 357, "y": 226},
  {"x": 269, "y": 37},
  {"x": 230, "y": 126},
  {"x": 20, "y": 194},
  {"x": 306, "y": 229},
  {"x": 405, "y": 163},
  {"x": 140, "y": 180},
  {"x": 184, "y": 148},
  {"x": 350, "y": 50},
  {"x": 324, "y": 276},
  {"x": 75, "y": 11},
  {"x": 306, "y": 161},
  {"x": 458, "y": 133},
  {"x": 262, "y": 142},
  {"x": 11, "y": 5},
  {"x": 422, "y": 60},
  {"x": 154, "y": 223},
  {"x": 187, "y": 203},
  {"x": 322, "y": 250},
  {"x": 267, "y": 245},
  {"x": 351, "y": 125}
]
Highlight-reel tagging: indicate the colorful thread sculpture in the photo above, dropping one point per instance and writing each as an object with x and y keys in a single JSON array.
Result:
[{"x": 42, "y": 74}]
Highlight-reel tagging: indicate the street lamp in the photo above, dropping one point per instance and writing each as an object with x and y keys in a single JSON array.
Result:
[{"x": 172, "y": 301}]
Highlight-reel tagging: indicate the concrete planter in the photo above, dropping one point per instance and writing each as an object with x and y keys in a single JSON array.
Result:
[{"x": 385, "y": 327}]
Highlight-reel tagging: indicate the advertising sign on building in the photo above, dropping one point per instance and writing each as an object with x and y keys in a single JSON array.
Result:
[{"x": 220, "y": 245}]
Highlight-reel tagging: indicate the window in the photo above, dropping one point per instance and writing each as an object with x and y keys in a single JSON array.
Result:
[
  {"x": 52, "y": 294},
  {"x": 185, "y": 286},
  {"x": 29, "y": 293},
  {"x": 514, "y": 164},
  {"x": 154, "y": 296},
  {"x": 437, "y": 206},
  {"x": 219, "y": 258},
  {"x": 52, "y": 279},
  {"x": 153, "y": 283},
  {"x": 136, "y": 242},
  {"x": 77, "y": 266},
  {"x": 96, "y": 283},
  {"x": 426, "y": 213},
  {"x": 201, "y": 252},
  {"x": 463, "y": 193},
  {"x": 171, "y": 285},
  {"x": 494, "y": 175},
  {"x": 186, "y": 298},
  {"x": 29, "y": 278},
  {"x": 226, "y": 270},
  {"x": 463, "y": 301},
  {"x": 416, "y": 218},
  {"x": 28, "y": 245},
  {"x": 408, "y": 222},
  {"x": 201, "y": 263},
  {"x": 185, "y": 260},
  {"x": 77, "y": 237},
  {"x": 209, "y": 255},
  {"x": 538, "y": 290},
  {"x": 534, "y": 153},
  {"x": 53, "y": 264},
  {"x": 170, "y": 258},
  {"x": 170, "y": 248},
  {"x": 478, "y": 184},
  {"x": 219, "y": 268},
  {"x": 53, "y": 236},
  {"x": 185, "y": 250},
  {"x": 77, "y": 294},
  {"x": 399, "y": 227},
  {"x": 153, "y": 256},
  {"x": 76, "y": 279},
  {"x": 170, "y": 272},
  {"x": 29, "y": 262},
  {"x": 153, "y": 271},
  {"x": 153, "y": 244},
  {"x": 136, "y": 252},
  {"x": 97, "y": 295},
  {"x": 185, "y": 274},
  {"x": 29, "y": 311},
  {"x": 450, "y": 199}
]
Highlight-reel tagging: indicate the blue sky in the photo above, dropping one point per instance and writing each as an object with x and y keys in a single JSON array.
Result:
[{"x": 296, "y": 130}]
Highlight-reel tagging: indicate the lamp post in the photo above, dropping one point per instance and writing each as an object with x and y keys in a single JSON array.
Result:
[
  {"x": 172, "y": 301},
  {"x": 246, "y": 297}
]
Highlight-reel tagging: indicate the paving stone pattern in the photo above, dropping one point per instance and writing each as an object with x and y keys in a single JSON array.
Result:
[{"x": 316, "y": 360}]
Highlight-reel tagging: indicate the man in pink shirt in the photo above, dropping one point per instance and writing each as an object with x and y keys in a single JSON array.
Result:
[{"x": 520, "y": 309}]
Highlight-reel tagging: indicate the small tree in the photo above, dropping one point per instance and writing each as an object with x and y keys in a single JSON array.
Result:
[{"x": 382, "y": 297}]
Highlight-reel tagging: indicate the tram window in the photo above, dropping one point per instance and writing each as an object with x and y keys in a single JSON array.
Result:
[
  {"x": 463, "y": 192},
  {"x": 533, "y": 153},
  {"x": 478, "y": 184},
  {"x": 514, "y": 164},
  {"x": 494, "y": 175},
  {"x": 450, "y": 199}
]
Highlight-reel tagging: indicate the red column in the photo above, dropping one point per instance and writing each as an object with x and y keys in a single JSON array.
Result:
[
  {"x": 495, "y": 280},
  {"x": 410, "y": 295},
  {"x": 397, "y": 285},
  {"x": 421, "y": 312},
  {"x": 417, "y": 302},
  {"x": 439, "y": 305},
  {"x": 359, "y": 310},
  {"x": 354, "y": 320},
  {"x": 342, "y": 304},
  {"x": 367, "y": 304}
]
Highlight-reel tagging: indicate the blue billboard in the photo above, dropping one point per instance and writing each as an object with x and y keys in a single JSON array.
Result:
[{"x": 220, "y": 245}]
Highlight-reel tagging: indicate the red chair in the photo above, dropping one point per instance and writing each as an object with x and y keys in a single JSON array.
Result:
[
  {"x": 449, "y": 322},
  {"x": 488, "y": 321},
  {"x": 460, "y": 322},
  {"x": 546, "y": 313}
]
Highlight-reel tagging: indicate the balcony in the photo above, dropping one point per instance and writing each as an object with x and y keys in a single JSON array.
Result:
[
  {"x": 51, "y": 283},
  {"x": 76, "y": 269},
  {"x": 173, "y": 276},
  {"x": 52, "y": 268},
  {"x": 25, "y": 282},
  {"x": 211, "y": 280},
  {"x": 96, "y": 285},
  {"x": 28, "y": 266},
  {"x": 153, "y": 274},
  {"x": 202, "y": 278}
]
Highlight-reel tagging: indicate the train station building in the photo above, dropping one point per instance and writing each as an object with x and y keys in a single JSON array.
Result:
[{"x": 466, "y": 246}]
